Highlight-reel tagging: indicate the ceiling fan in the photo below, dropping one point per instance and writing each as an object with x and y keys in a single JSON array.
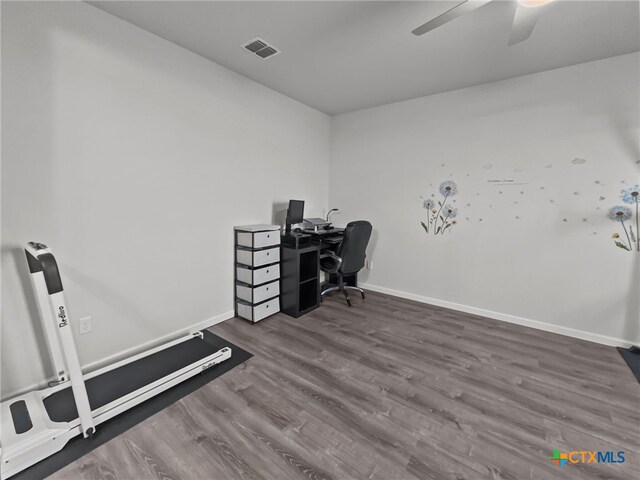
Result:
[{"x": 525, "y": 18}]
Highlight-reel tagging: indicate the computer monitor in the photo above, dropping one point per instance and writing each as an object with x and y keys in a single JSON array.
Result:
[{"x": 295, "y": 212}]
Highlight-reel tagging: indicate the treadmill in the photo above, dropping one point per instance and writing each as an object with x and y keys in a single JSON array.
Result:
[{"x": 39, "y": 423}]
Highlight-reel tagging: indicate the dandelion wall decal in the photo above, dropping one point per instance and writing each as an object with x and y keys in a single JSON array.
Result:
[
  {"x": 428, "y": 204},
  {"x": 631, "y": 196},
  {"x": 450, "y": 211},
  {"x": 448, "y": 188},
  {"x": 440, "y": 215},
  {"x": 621, "y": 214}
]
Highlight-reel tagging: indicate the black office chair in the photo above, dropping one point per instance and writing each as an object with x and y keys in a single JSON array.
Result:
[{"x": 349, "y": 258}]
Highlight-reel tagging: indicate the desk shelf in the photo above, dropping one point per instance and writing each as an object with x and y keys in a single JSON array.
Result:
[{"x": 300, "y": 280}]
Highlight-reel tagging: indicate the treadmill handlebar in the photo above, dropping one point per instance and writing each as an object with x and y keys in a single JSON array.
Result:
[{"x": 40, "y": 259}]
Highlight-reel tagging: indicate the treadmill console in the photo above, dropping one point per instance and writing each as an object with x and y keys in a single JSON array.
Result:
[{"x": 37, "y": 246}]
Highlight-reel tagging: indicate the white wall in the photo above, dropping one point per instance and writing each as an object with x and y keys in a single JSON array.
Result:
[
  {"x": 547, "y": 260},
  {"x": 133, "y": 159}
]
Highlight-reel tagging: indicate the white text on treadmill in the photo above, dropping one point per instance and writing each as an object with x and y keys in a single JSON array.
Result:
[
  {"x": 63, "y": 318},
  {"x": 209, "y": 365}
]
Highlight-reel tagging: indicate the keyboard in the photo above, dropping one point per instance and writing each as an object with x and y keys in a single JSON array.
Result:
[
  {"x": 325, "y": 233},
  {"x": 333, "y": 239}
]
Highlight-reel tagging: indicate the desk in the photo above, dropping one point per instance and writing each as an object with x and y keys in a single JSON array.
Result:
[
  {"x": 324, "y": 233},
  {"x": 326, "y": 239},
  {"x": 300, "y": 278},
  {"x": 300, "y": 269}
]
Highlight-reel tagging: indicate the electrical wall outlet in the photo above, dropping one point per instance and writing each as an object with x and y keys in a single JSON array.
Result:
[
  {"x": 369, "y": 264},
  {"x": 84, "y": 325}
]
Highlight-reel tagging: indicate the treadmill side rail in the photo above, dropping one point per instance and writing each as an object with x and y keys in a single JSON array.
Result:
[
  {"x": 40, "y": 288},
  {"x": 134, "y": 398}
]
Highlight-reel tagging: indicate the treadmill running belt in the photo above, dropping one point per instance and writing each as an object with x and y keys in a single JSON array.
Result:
[{"x": 117, "y": 383}]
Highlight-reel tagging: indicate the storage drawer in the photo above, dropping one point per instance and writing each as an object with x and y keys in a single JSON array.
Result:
[
  {"x": 259, "y": 275},
  {"x": 255, "y": 313},
  {"x": 258, "y": 294},
  {"x": 259, "y": 239},
  {"x": 259, "y": 257}
]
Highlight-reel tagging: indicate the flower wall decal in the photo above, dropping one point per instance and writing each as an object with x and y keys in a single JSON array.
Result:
[
  {"x": 448, "y": 188},
  {"x": 630, "y": 195},
  {"x": 440, "y": 215},
  {"x": 622, "y": 214},
  {"x": 428, "y": 204}
]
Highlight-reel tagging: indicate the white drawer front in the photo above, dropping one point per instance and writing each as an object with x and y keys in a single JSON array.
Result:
[
  {"x": 258, "y": 258},
  {"x": 258, "y": 294},
  {"x": 258, "y": 276},
  {"x": 266, "y": 274},
  {"x": 259, "y": 239},
  {"x": 265, "y": 309},
  {"x": 258, "y": 312},
  {"x": 264, "y": 257},
  {"x": 266, "y": 239}
]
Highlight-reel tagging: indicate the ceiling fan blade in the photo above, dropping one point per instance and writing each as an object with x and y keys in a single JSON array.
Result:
[
  {"x": 524, "y": 20},
  {"x": 455, "y": 12}
]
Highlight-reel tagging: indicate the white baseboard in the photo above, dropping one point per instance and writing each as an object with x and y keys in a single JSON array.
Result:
[
  {"x": 210, "y": 322},
  {"x": 547, "y": 327}
]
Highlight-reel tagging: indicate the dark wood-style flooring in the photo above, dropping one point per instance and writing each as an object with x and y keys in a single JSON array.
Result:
[{"x": 389, "y": 389}]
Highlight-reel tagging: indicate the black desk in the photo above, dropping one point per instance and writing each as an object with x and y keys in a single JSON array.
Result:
[
  {"x": 299, "y": 278},
  {"x": 324, "y": 233},
  {"x": 326, "y": 239},
  {"x": 300, "y": 269}
]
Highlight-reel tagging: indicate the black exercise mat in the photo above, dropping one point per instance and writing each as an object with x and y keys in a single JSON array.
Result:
[
  {"x": 632, "y": 357},
  {"x": 79, "y": 446}
]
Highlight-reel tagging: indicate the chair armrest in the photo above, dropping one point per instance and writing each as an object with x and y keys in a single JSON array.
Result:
[{"x": 330, "y": 262}]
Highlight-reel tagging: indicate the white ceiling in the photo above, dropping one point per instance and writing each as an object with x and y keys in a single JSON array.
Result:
[{"x": 340, "y": 56}]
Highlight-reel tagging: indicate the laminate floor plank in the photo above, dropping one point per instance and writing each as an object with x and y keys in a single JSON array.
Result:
[{"x": 389, "y": 389}]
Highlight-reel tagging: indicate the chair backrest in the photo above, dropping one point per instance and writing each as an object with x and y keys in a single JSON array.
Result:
[{"x": 353, "y": 246}]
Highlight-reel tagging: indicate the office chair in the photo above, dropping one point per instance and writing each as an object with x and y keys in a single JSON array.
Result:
[{"x": 349, "y": 258}]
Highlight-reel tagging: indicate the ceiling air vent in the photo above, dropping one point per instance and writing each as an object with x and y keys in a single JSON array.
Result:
[{"x": 261, "y": 48}]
